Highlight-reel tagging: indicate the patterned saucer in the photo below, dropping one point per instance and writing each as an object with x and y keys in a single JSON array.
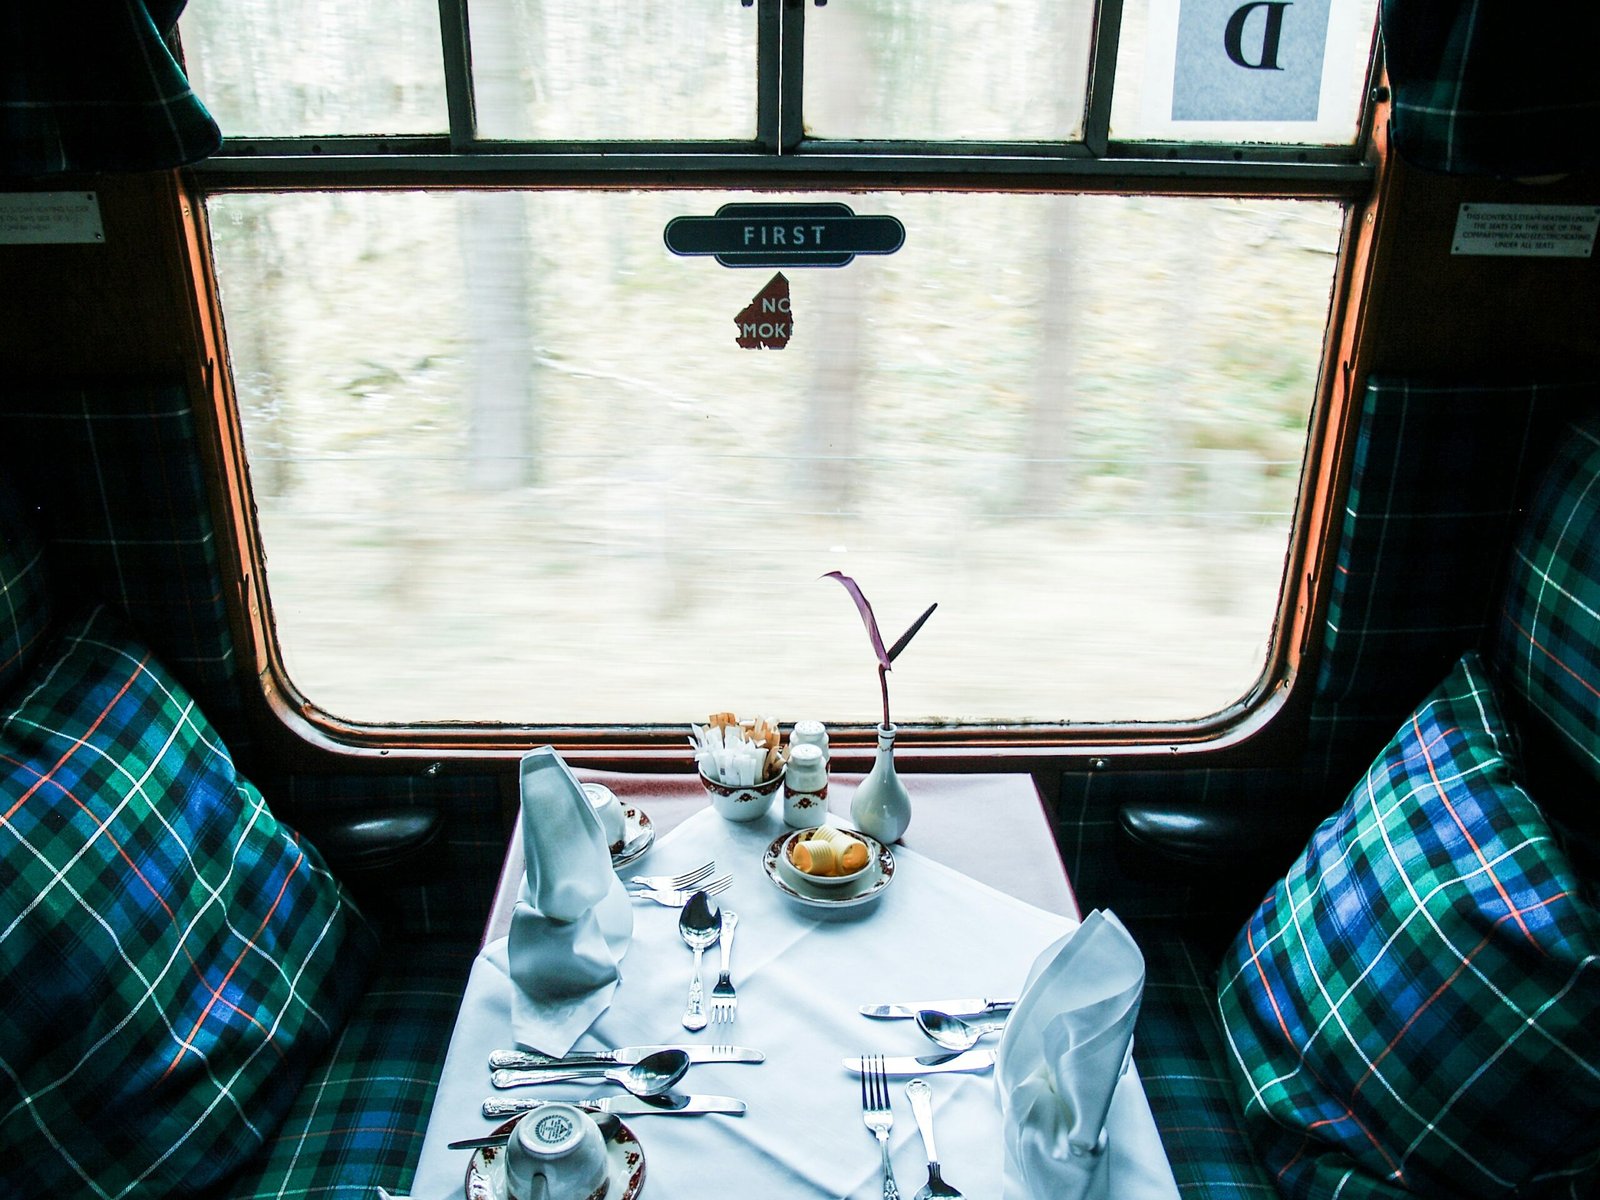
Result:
[
  {"x": 638, "y": 835},
  {"x": 793, "y": 883},
  {"x": 486, "y": 1173}
]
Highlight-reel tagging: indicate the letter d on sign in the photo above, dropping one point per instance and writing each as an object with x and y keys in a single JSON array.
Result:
[
  {"x": 1248, "y": 60},
  {"x": 1272, "y": 35}
]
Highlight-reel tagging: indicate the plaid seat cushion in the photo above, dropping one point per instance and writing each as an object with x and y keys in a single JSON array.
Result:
[
  {"x": 24, "y": 592},
  {"x": 1180, "y": 1053},
  {"x": 1547, "y": 647},
  {"x": 1415, "y": 1008},
  {"x": 175, "y": 961},
  {"x": 358, "y": 1122}
]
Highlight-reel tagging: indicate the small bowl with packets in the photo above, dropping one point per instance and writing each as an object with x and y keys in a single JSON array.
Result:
[{"x": 741, "y": 764}]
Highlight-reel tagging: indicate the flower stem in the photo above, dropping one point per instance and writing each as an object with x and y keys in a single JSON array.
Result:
[{"x": 883, "y": 684}]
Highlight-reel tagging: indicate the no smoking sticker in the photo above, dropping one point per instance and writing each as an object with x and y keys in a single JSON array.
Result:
[{"x": 767, "y": 322}]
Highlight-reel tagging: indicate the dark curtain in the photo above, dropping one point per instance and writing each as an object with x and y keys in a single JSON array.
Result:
[
  {"x": 1495, "y": 87},
  {"x": 91, "y": 85}
]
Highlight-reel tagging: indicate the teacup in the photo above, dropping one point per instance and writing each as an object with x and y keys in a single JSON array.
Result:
[
  {"x": 742, "y": 802},
  {"x": 609, "y": 809},
  {"x": 556, "y": 1152}
]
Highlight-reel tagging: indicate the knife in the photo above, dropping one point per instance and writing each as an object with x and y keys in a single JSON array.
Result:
[
  {"x": 524, "y": 1060},
  {"x": 956, "y": 1008},
  {"x": 670, "y": 1104},
  {"x": 930, "y": 1064}
]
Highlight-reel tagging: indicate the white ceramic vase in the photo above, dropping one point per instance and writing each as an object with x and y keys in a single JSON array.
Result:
[{"x": 881, "y": 806}]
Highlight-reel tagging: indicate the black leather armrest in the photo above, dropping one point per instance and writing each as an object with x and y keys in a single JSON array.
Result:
[
  {"x": 383, "y": 846},
  {"x": 1221, "y": 836}
]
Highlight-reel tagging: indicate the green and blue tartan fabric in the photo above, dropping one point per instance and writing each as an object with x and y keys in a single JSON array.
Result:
[
  {"x": 1490, "y": 88},
  {"x": 1547, "y": 645},
  {"x": 90, "y": 85},
  {"x": 24, "y": 592},
  {"x": 1415, "y": 1008},
  {"x": 1178, "y": 1047},
  {"x": 358, "y": 1122},
  {"x": 1436, "y": 477},
  {"x": 175, "y": 961},
  {"x": 114, "y": 467}
]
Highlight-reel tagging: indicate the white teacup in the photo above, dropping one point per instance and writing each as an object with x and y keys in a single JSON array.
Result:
[
  {"x": 556, "y": 1152},
  {"x": 609, "y": 809}
]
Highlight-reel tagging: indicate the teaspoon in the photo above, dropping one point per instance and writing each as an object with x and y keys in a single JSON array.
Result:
[
  {"x": 700, "y": 925},
  {"x": 650, "y": 1076},
  {"x": 957, "y": 1033}
]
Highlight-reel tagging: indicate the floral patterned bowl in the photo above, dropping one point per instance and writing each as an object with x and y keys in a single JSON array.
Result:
[{"x": 742, "y": 802}]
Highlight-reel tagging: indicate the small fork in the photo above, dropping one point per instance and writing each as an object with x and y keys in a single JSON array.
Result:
[
  {"x": 671, "y": 883},
  {"x": 724, "y": 999},
  {"x": 878, "y": 1115},
  {"x": 677, "y": 899}
]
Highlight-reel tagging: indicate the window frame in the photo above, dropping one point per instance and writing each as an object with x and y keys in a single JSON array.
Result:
[{"x": 1265, "y": 725}]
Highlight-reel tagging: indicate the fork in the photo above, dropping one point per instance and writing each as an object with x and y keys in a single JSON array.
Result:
[
  {"x": 677, "y": 899},
  {"x": 673, "y": 883},
  {"x": 724, "y": 999},
  {"x": 878, "y": 1115}
]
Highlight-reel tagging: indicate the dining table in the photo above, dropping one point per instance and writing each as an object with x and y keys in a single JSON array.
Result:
[{"x": 976, "y": 894}]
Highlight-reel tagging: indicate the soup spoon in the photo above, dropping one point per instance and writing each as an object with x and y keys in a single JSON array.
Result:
[
  {"x": 958, "y": 1033},
  {"x": 650, "y": 1076},
  {"x": 700, "y": 925}
]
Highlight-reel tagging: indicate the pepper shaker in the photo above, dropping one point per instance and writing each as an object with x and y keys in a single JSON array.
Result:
[{"x": 805, "y": 787}]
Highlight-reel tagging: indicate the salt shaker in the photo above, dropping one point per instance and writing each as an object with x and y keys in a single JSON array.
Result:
[
  {"x": 805, "y": 786},
  {"x": 811, "y": 733}
]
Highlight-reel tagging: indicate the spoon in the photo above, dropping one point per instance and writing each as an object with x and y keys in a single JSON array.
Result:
[
  {"x": 922, "y": 1109},
  {"x": 957, "y": 1033},
  {"x": 700, "y": 925},
  {"x": 650, "y": 1076}
]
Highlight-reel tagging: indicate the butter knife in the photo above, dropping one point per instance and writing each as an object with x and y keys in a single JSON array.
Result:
[
  {"x": 525, "y": 1060},
  {"x": 672, "y": 1104},
  {"x": 956, "y": 1008},
  {"x": 930, "y": 1064}
]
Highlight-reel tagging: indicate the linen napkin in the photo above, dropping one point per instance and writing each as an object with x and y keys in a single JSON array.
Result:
[
  {"x": 1064, "y": 1052},
  {"x": 572, "y": 923}
]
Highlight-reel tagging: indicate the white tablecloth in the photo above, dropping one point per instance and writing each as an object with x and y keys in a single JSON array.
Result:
[{"x": 933, "y": 932}]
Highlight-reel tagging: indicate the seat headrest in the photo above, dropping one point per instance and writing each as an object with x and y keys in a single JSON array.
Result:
[
  {"x": 24, "y": 589},
  {"x": 1547, "y": 644}
]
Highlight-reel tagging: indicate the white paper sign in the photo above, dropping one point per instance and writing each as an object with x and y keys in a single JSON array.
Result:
[
  {"x": 1526, "y": 230},
  {"x": 1249, "y": 60},
  {"x": 44, "y": 218}
]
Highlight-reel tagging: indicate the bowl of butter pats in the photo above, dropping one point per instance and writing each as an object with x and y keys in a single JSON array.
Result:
[{"x": 827, "y": 857}]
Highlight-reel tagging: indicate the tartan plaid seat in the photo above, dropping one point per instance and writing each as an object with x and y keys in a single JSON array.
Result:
[
  {"x": 188, "y": 1009},
  {"x": 1415, "y": 1008},
  {"x": 24, "y": 593}
]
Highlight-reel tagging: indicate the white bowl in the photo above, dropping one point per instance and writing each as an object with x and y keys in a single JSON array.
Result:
[
  {"x": 739, "y": 802},
  {"x": 824, "y": 881}
]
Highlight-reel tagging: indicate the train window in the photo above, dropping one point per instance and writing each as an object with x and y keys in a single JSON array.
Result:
[{"x": 510, "y": 463}]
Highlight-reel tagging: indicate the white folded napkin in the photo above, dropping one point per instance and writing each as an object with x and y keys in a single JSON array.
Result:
[
  {"x": 1061, "y": 1058},
  {"x": 572, "y": 923}
]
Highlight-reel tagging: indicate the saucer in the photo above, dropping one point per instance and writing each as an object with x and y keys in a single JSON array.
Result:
[
  {"x": 794, "y": 884},
  {"x": 486, "y": 1173},
  {"x": 638, "y": 835}
]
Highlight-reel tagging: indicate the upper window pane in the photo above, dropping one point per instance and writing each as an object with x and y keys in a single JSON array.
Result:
[
  {"x": 1011, "y": 70},
  {"x": 558, "y": 70},
  {"x": 1236, "y": 71},
  {"x": 501, "y": 479},
  {"x": 304, "y": 68}
]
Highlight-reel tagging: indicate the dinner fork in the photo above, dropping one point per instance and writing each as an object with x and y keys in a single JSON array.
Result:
[
  {"x": 672, "y": 883},
  {"x": 724, "y": 999},
  {"x": 878, "y": 1115},
  {"x": 677, "y": 899}
]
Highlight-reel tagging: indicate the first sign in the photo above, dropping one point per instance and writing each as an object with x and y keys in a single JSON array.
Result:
[{"x": 784, "y": 235}]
